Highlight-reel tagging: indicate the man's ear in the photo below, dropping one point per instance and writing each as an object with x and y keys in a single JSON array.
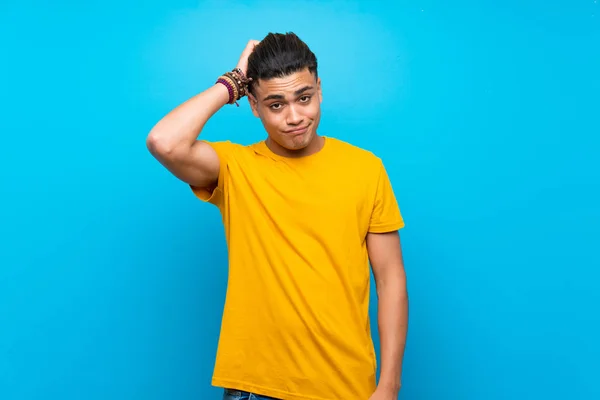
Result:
[
  {"x": 319, "y": 90},
  {"x": 253, "y": 104}
]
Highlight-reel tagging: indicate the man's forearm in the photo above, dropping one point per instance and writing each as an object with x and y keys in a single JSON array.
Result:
[{"x": 393, "y": 324}]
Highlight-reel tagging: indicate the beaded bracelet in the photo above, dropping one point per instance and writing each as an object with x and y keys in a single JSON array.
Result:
[
  {"x": 230, "y": 88},
  {"x": 236, "y": 84}
]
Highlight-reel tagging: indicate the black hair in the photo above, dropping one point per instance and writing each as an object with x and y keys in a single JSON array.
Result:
[{"x": 279, "y": 55}]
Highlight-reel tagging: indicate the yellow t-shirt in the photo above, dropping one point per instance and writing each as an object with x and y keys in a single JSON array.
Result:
[{"x": 296, "y": 318}]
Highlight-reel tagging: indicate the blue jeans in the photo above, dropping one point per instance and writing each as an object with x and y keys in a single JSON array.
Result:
[{"x": 232, "y": 394}]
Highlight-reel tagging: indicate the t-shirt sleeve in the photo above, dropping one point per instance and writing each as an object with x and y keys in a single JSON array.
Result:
[
  {"x": 386, "y": 216},
  {"x": 215, "y": 195}
]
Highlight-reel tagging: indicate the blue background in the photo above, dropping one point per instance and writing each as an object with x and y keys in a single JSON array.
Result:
[{"x": 113, "y": 275}]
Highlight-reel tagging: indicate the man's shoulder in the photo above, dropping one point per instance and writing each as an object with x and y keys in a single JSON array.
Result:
[
  {"x": 239, "y": 146},
  {"x": 354, "y": 152},
  {"x": 230, "y": 148},
  {"x": 226, "y": 144}
]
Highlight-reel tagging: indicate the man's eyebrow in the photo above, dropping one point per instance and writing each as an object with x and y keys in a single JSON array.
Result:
[
  {"x": 304, "y": 89},
  {"x": 274, "y": 96},
  {"x": 280, "y": 97}
]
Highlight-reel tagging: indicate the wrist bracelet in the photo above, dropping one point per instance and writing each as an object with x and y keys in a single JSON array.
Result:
[
  {"x": 236, "y": 84},
  {"x": 230, "y": 89}
]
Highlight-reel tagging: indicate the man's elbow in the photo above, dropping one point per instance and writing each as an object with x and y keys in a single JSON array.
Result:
[
  {"x": 165, "y": 149},
  {"x": 157, "y": 145}
]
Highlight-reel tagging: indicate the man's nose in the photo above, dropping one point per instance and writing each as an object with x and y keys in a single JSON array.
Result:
[{"x": 293, "y": 116}]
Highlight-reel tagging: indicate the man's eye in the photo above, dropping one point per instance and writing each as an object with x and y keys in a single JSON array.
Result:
[
  {"x": 304, "y": 99},
  {"x": 275, "y": 106}
]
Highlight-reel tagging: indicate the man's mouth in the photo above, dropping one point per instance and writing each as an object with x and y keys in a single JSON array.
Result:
[{"x": 297, "y": 131}]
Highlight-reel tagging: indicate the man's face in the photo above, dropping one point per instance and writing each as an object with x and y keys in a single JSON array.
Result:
[{"x": 289, "y": 108}]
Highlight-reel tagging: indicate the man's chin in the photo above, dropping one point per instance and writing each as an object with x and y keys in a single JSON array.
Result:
[
  {"x": 295, "y": 143},
  {"x": 299, "y": 142}
]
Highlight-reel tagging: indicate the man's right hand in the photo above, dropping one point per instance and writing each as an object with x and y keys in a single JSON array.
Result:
[{"x": 243, "y": 61}]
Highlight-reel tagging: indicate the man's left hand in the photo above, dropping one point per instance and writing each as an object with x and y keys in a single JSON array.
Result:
[{"x": 384, "y": 394}]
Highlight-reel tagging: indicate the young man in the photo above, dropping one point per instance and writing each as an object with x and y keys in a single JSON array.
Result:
[{"x": 304, "y": 216}]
